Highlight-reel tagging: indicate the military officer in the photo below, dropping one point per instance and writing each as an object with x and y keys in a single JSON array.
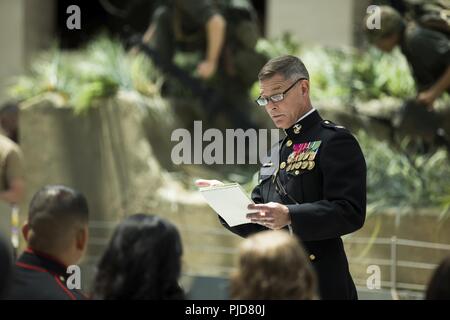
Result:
[{"x": 314, "y": 183}]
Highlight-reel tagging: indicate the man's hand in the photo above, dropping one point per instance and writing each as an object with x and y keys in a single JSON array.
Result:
[
  {"x": 272, "y": 215},
  {"x": 207, "y": 183},
  {"x": 427, "y": 98},
  {"x": 206, "y": 69}
]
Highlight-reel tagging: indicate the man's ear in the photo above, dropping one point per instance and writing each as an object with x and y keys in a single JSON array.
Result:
[
  {"x": 82, "y": 238},
  {"x": 304, "y": 85},
  {"x": 25, "y": 230}
]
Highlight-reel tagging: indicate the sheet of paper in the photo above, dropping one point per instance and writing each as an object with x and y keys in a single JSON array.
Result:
[{"x": 229, "y": 201}]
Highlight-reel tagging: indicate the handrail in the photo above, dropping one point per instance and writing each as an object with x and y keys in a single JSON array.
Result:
[{"x": 392, "y": 262}]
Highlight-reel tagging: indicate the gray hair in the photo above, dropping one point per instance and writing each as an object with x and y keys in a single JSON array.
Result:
[{"x": 288, "y": 66}]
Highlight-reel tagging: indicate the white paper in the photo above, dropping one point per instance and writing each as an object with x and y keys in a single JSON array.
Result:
[{"x": 229, "y": 201}]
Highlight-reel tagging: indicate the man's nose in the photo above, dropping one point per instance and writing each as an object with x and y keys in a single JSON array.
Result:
[{"x": 269, "y": 107}]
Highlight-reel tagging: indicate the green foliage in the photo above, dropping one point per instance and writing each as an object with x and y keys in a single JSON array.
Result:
[
  {"x": 395, "y": 179},
  {"x": 347, "y": 74},
  {"x": 48, "y": 74},
  {"x": 83, "y": 76},
  {"x": 279, "y": 46}
]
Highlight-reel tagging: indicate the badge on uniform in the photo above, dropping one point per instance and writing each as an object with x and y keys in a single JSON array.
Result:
[{"x": 303, "y": 157}]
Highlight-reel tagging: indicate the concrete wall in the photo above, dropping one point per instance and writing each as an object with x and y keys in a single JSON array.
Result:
[
  {"x": 12, "y": 30},
  {"x": 326, "y": 22},
  {"x": 26, "y": 26}
]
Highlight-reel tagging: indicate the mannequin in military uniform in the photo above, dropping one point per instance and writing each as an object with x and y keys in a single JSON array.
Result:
[
  {"x": 314, "y": 183},
  {"x": 56, "y": 233},
  {"x": 427, "y": 51},
  {"x": 225, "y": 33}
]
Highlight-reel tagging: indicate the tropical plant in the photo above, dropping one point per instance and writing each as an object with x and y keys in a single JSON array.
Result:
[
  {"x": 98, "y": 70},
  {"x": 347, "y": 74},
  {"x": 399, "y": 179}
]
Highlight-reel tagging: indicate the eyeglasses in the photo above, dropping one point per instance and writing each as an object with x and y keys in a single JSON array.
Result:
[{"x": 262, "y": 101}]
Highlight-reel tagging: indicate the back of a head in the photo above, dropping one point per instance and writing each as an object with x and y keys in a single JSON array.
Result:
[
  {"x": 391, "y": 22},
  {"x": 6, "y": 261},
  {"x": 10, "y": 107},
  {"x": 142, "y": 261},
  {"x": 9, "y": 113},
  {"x": 55, "y": 214},
  {"x": 439, "y": 286},
  {"x": 273, "y": 265}
]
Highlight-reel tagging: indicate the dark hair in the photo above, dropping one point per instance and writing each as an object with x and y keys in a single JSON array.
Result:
[
  {"x": 9, "y": 113},
  {"x": 288, "y": 66},
  {"x": 6, "y": 260},
  {"x": 10, "y": 107},
  {"x": 391, "y": 22},
  {"x": 439, "y": 286},
  {"x": 54, "y": 211},
  {"x": 142, "y": 261}
]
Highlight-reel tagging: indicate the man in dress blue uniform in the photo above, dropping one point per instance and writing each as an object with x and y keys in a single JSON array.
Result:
[
  {"x": 314, "y": 183},
  {"x": 56, "y": 233}
]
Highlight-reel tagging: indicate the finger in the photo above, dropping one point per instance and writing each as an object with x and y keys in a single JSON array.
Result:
[
  {"x": 257, "y": 215},
  {"x": 259, "y": 206},
  {"x": 207, "y": 183},
  {"x": 202, "y": 183},
  {"x": 252, "y": 215},
  {"x": 256, "y": 219},
  {"x": 216, "y": 182}
]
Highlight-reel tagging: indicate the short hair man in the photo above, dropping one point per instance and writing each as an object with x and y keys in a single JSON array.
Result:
[
  {"x": 57, "y": 235},
  {"x": 314, "y": 184}
]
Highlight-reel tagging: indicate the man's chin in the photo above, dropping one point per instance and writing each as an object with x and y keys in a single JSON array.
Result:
[{"x": 279, "y": 123}]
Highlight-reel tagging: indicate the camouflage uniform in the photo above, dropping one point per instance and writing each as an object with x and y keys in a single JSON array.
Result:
[
  {"x": 180, "y": 25},
  {"x": 427, "y": 52}
]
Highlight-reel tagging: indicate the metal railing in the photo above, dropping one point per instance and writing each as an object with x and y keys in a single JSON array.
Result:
[{"x": 393, "y": 262}]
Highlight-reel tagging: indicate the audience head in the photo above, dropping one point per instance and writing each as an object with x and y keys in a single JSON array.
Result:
[
  {"x": 273, "y": 265},
  {"x": 9, "y": 115},
  {"x": 142, "y": 261},
  {"x": 58, "y": 223},
  {"x": 439, "y": 286}
]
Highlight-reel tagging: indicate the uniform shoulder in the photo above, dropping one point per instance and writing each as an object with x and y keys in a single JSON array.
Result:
[
  {"x": 31, "y": 284},
  {"x": 331, "y": 125},
  {"x": 333, "y": 131}
]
